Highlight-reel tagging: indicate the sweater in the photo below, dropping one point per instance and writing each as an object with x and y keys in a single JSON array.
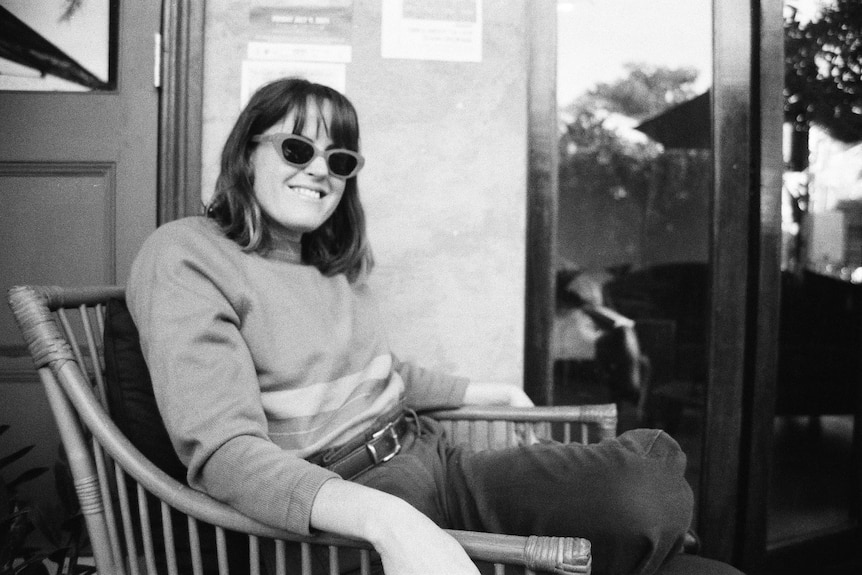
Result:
[{"x": 259, "y": 360}]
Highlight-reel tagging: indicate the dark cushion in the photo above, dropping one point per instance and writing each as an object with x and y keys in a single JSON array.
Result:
[
  {"x": 130, "y": 391},
  {"x": 133, "y": 408}
]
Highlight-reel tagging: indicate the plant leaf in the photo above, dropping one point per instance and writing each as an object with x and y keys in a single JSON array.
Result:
[
  {"x": 5, "y": 499},
  {"x": 32, "y": 566},
  {"x": 46, "y": 527},
  {"x": 15, "y": 456},
  {"x": 65, "y": 487},
  {"x": 28, "y": 475},
  {"x": 58, "y": 556}
]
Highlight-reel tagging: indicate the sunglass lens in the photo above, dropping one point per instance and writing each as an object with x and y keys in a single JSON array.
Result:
[
  {"x": 342, "y": 164},
  {"x": 297, "y": 151}
]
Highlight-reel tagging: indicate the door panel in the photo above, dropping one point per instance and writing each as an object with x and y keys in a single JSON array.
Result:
[{"x": 81, "y": 197}]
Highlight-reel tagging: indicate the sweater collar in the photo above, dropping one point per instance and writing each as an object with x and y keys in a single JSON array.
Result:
[{"x": 285, "y": 248}]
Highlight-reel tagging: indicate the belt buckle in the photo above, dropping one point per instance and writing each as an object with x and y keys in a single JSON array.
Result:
[{"x": 372, "y": 450}]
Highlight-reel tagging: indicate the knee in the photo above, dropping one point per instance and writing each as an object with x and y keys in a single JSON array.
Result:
[
  {"x": 653, "y": 490},
  {"x": 654, "y": 462},
  {"x": 654, "y": 444}
]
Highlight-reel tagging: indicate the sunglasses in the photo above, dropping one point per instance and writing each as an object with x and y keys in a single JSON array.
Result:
[{"x": 298, "y": 151}]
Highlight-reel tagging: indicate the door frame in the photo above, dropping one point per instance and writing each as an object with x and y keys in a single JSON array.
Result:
[
  {"x": 759, "y": 393},
  {"x": 180, "y": 109},
  {"x": 542, "y": 206}
]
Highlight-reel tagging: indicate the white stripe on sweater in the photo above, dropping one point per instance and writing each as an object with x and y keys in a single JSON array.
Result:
[{"x": 324, "y": 396}]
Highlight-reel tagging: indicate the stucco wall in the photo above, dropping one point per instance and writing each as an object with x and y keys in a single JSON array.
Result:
[{"x": 444, "y": 184}]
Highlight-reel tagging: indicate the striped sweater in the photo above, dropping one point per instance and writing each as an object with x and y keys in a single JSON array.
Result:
[{"x": 258, "y": 361}]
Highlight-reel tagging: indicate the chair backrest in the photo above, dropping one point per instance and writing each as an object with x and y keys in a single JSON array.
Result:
[
  {"x": 140, "y": 515},
  {"x": 165, "y": 526}
]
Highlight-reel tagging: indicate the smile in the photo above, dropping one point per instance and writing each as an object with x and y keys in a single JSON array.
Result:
[{"x": 309, "y": 193}]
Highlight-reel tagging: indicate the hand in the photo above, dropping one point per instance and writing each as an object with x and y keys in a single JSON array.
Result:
[
  {"x": 525, "y": 433},
  {"x": 518, "y": 398},
  {"x": 414, "y": 545},
  {"x": 409, "y": 543},
  {"x": 486, "y": 393}
]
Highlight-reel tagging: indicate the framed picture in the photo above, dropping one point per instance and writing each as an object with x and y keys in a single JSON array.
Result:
[{"x": 58, "y": 45}]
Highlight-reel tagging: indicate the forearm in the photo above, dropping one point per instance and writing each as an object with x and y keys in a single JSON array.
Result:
[
  {"x": 408, "y": 542},
  {"x": 257, "y": 478},
  {"x": 353, "y": 510},
  {"x": 428, "y": 389},
  {"x": 485, "y": 393}
]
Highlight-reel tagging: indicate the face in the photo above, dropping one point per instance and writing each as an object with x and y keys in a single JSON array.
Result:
[{"x": 297, "y": 200}]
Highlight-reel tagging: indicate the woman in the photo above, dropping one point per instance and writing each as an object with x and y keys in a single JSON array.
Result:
[{"x": 283, "y": 398}]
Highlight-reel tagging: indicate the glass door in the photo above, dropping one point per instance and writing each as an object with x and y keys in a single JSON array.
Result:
[
  {"x": 814, "y": 485},
  {"x": 634, "y": 206}
]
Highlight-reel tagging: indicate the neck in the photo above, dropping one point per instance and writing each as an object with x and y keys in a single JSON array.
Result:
[{"x": 286, "y": 245}]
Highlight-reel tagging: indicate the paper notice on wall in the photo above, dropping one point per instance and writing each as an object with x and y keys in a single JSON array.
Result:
[
  {"x": 304, "y": 38},
  {"x": 256, "y": 73},
  {"x": 447, "y": 30},
  {"x": 311, "y": 30},
  {"x": 285, "y": 51}
]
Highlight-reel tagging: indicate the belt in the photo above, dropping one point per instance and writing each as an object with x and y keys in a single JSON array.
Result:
[{"x": 362, "y": 454}]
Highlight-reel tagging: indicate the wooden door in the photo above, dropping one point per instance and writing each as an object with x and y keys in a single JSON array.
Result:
[{"x": 78, "y": 170}]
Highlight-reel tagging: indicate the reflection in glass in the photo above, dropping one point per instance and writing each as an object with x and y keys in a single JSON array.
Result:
[
  {"x": 634, "y": 201},
  {"x": 821, "y": 291},
  {"x": 56, "y": 45}
]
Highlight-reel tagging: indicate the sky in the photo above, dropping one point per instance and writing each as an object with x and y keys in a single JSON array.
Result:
[{"x": 597, "y": 37}]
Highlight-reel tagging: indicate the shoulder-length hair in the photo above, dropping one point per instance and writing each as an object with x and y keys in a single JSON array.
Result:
[{"x": 340, "y": 244}]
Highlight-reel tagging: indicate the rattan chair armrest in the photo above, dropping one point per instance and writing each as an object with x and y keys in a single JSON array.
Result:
[
  {"x": 599, "y": 413},
  {"x": 32, "y": 307},
  {"x": 562, "y": 555},
  {"x": 54, "y": 297}
]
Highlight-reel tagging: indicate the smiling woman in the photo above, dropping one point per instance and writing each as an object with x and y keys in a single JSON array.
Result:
[
  {"x": 261, "y": 315},
  {"x": 267, "y": 195},
  {"x": 299, "y": 198}
]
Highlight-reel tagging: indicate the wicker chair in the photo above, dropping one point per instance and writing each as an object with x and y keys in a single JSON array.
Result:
[{"x": 123, "y": 494}]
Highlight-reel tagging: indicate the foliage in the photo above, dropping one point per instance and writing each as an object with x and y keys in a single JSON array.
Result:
[
  {"x": 823, "y": 69},
  {"x": 623, "y": 199},
  {"x": 624, "y": 192},
  {"x": 15, "y": 522},
  {"x": 644, "y": 92},
  {"x": 596, "y": 156},
  {"x": 19, "y": 519},
  {"x": 594, "y": 152}
]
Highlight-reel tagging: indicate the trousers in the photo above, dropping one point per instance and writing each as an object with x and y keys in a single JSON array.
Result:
[{"x": 627, "y": 495}]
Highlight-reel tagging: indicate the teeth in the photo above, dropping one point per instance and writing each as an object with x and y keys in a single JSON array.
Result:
[{"x": 308, "y": 193}]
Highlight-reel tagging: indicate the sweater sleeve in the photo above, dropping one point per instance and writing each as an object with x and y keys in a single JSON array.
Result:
[
  {"x": 206, "y": 386},
  {"x": 426, "y": 389}
]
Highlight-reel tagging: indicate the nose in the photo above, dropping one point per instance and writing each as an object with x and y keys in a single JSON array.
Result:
[{"x": 317, "y": 167}]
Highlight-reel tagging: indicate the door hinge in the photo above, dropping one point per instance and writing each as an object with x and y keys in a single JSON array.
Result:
[{"x": 157, "y": 60}]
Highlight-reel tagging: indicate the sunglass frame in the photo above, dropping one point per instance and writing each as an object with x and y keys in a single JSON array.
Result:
[{"x": 277, "y": 140}]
